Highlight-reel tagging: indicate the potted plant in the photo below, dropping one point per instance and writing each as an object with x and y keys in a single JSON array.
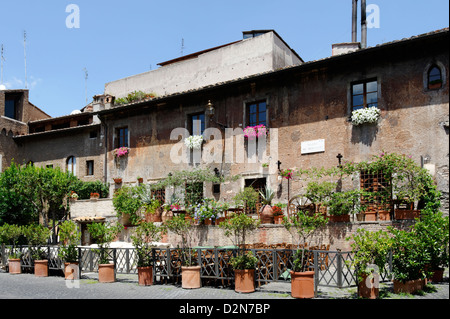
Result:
[
  {"x": 194, "y": 142},
  {"x": 145, "y": 234},
  {"x": 68, "y": 252},
  {"x": 303, "y": 226},
  {"x": 103, "y": 234},
  {"x": 410, "y": 258},
  {"x": 117, "y": 180},
  {"x": 254, "y": 132},
  {"x": 190, "y": 270},
  {"x": 342, "y": 204},
  {"x": 319, "y": 194},
  {"x": 370, "y": 251},
  {"x": 266, "y": 213},
  {"x": 369, "y": 115},
  {"x": 204, "y": 213},
  {"x": 95, "y": 196},
  {"x": 9, "y": 234},
  {"x": 121, "y": 152},
  {"x": 140, "y": 180},
  {"x": 73, "y": 196},
  {"x": 247, "y": 197},
  {"x": 433, "y": 229},
  {"x": 127, "y": 203},
  {"x": 278, "y": 213},
  {"x": 38, "y": 235},
  {"x": 239, "y": 226}
]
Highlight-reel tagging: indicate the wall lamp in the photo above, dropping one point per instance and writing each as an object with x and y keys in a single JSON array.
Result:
[{"x": 211, "y": 111}]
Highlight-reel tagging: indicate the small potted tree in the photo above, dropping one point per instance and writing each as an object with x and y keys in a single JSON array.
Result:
[
  {"x": 319, "y": 194},
  {"x": 190, "y": 270},
  {"x": 38, "y": 235},
  {"x": 145, "y": 234},
  {"x": 240, "y": 226},
  {"x": 248, "y": 197},
  {"x": 9, "y": 234},
  {"x": 103, "y": 234},
  {"x": 68, "y": 252},
  {"x": 342, "y": 204},
  {"x": 370, "y": 257},
  {"x": 127, "y": 204},
  {"x": 303, "y": 226}
]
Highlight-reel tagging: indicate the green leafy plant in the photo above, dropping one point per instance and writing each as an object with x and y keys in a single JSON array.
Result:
[
  {"x": 37, "y": 235},
  {"x": 303, "y": 226},
  {"x": 127, "y": 201},
  {"x": 319, "y": 192},
  {"x": 370, "y": 251},
  {"x": 69, "y": 236},
  {"x": 145, "y": 234},
  {"x": 244, "y": 261},
  {"x": 248, "y": 197},
  {"x": 133, "y": 97},
  {"x": 433, "y": 230},
  {"x": 103, "y": 234},
  {"x": 345, "y": 203}
]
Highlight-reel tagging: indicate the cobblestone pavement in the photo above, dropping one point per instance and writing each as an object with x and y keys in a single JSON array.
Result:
[{"x": 28, "y": 286}]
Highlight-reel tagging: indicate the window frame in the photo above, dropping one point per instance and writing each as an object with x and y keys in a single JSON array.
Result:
[
  {"x": 88, "y": 164},
  {"x": 431, "y": 68},
  {"x": 258, "y": 113},
  {"x": 73, "y": 165},
  {"x": 364, "y": 94},
  {"x": 191, "y": 127},
  {"x": 118, "y": 137}
]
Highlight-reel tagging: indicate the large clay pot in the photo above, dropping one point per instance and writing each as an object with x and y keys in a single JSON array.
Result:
[
  {"x": 166, "y": 215},
  {"x": 71, "y": 271},
  {"x": 339, "y": 218},
  {"x": 302, "y": 284},
  {"x": 369, "y": 287},
  {"x": 145, "y": 276},
  {"x": 106, "y": 273},
  {"x": 15, "y": 266},
  {"x": 266, "y": 215},
  {"x": 384, "y": 215},
  {"x": 370, "y": 216},
  {"x": 244, "y": 280},
  {"x": 409, "y": 286},
  {"x": 190, "y": 277},
  {"x": 41, "y": 268}
]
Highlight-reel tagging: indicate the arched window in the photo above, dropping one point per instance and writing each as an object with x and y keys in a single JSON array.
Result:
[
  {"x": 434, "y": 78},
  {"x": 71, "y": 165}
]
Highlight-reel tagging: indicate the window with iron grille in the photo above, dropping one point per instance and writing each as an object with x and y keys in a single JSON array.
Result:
[
  {"x": 193, "y": 193},
  {"x": 375, "y": 183},
  {"x": 159, "y": 194}
]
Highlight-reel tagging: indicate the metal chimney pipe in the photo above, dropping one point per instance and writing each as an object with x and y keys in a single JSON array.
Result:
[
  {"x": 363, "y": 25},
  {"x": 355, "y": 21}
]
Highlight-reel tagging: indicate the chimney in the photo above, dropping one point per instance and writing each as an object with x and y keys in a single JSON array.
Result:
[
  {"x": 355, "y": 21},
  {"x": 363, "y": 25}
]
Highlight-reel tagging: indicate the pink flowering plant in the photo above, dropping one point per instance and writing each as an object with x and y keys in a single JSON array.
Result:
[
  {"x": 252, "y": 132},
  {"x": 121, "y": 151},
  {"x": 287, "y": 173}
]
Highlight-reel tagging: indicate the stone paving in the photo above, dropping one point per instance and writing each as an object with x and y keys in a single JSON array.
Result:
[{"x": 28, "y": 286}]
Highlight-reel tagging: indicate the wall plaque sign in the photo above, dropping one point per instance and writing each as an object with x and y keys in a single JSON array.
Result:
[{"x": 315, "y": 146}]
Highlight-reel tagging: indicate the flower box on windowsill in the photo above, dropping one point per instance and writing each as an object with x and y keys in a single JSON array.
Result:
[{"x": 118, "y": 180}]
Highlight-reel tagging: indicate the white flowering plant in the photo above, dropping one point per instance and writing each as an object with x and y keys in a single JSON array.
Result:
[
  {"x": 365, "y": 115},
  {"x": 194, "y": 141}
]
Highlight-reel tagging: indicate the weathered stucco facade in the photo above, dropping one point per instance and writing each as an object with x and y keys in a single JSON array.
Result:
[{"x": 305, "y": 103}]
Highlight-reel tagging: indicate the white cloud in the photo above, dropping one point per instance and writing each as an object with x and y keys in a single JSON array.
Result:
[{"x": 16, "y": 83}]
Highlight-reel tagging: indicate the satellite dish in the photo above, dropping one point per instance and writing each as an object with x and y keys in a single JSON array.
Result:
[
  {"x": 2, "y": 87},
  {"x": 75, "y": 112}
]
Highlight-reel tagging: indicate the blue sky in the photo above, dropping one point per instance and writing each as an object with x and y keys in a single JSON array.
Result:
[{"x": 116, "y": 39}]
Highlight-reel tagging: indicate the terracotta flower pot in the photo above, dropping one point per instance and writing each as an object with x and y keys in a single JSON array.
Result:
[
  {"x": 406, "y": 214},
  {"x": 409, "y": 286},
  {"x": 244, "y": 280},
  {"x": 384, "y": 215},
  {"x": 166, "y": 215},
  {"x": 370, "y": 216},
  {"x": 302, "y": 284},
  {"x": 339, "y": 218},
  {"x": 41, "y": 268},
  {"x": 71, "y": 271},
  {"x": 106, "y": 273},
  {"x": 267, "y": 215},
  {"x": 190, "y": 277},
  {"x": 14, "y": 266},
  {"x": 278, "y": 219},
  {"x": 369, "y": 287},
  {"x": 145, "y": 276}
]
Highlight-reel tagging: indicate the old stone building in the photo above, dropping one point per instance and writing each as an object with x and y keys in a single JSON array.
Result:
[{"x": 306, "y": 107}]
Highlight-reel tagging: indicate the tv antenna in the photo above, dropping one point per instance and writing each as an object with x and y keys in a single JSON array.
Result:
[
  {"x": 2, "y": 59},
  {"x": 85, "y": 82},
  {"x": 182, "y": 46},
  {"x": 25, "y": 55}
]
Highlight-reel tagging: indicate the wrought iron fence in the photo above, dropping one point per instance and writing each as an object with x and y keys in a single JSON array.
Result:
[{"x": 332, "y": 268}]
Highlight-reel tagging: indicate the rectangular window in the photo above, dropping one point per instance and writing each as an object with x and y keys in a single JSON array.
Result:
[
  {"x": 256, "y": 113},
  {"x": 122, "y": 137},
  {"x": 197, "y": 124},
  {"x": 364, "y": 94},
  {"x": 10, "y": 108},
  {"x": 89, "y": 168}
]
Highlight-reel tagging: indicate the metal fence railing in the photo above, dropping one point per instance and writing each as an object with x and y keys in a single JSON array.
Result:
[{"x": 331, "y": 268}]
